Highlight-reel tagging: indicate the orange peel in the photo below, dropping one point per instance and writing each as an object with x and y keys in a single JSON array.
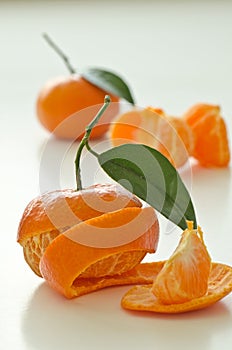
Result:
[
  {"x": 141, "y": 298},
  {"x": 50, "y": 214},
  {"x": 66, "y": 263}
]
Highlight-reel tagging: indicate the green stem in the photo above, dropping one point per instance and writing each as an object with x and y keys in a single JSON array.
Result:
[
  {"x": 85, "y": 139},
  {"x": 60, "y": 53}
]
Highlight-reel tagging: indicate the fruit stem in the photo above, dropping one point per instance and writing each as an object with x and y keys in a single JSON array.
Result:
[
  {"x": 60, "y": 53},
  {"x": 85, "y": 139}
]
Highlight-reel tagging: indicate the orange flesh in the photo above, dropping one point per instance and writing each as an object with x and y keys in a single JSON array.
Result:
[
  {"x": 141, "y": 298},
  {"x": 171, "y": 136},
  {"x": 185, "y": 274},
  {"x": 211, "y": 140}
]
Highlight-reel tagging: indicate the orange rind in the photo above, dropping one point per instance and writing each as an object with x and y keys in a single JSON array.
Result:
[
  {"x": 141, "y": 298},
  {"x": 65, "y": 106},
  {"x": 66, "y": 263},
  {"x": 50, "y": 214},
  {"x": 186, "y": 281}
]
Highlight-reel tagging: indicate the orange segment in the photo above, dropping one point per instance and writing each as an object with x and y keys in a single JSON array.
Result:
[
  {"x": 211, "y": 140},
  {"x": 141, "y": 298},
  {"x": 185, "y": 274},
  {"x": 171, "y": 136},
  {"x": 66, "y": 259},
  {"x": 48, "y": 215}
]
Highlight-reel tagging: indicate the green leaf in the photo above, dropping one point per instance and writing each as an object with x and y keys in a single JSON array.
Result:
[
  {"x": 109, "y": 82},
  {"x": 148, "y": 174}
]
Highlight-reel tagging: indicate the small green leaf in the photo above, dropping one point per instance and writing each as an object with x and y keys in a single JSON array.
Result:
[
  {"x": 109, "y": 82},
  {"x": 148, "y": 174}
]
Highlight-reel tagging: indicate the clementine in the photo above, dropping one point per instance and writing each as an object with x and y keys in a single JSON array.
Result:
[
  {"x": 186, "y": 281},
  {"x": 99, "y": 232},
  {"x": 62, "y": 107},
  {"x": 48, "y": 215}
]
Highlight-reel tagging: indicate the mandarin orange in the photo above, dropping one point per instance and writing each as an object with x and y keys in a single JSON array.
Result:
[
  {"x": 50, "y": 214},
  {"x": 63, "y": 105}
]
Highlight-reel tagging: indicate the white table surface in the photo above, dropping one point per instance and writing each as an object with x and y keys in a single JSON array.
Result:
[{"x": 173, "y": 54}]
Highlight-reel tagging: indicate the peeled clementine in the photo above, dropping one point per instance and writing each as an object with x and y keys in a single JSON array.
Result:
[
  {"x": 48, "y": 215},
  {"x": 141, "y": 298},
  {"x": 150, "y": 126},
  {"x": 81, "y": 241},
  {"x": 63, "y": 107},
  {"x": 186, "y": 281}
]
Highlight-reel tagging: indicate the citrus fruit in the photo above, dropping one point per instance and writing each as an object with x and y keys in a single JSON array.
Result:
[
  {"x": 141, "y": 298},
  {"x": 150, "y": 126},
  {"x": 97, "y": 232},
  {"x": 211, "y": 141},
  {"x": 62, "y": 107},
  {"x": 186, "y": 281},
  {"x": 46, "y": 216},
  {"x": 185, "y": 274},
  {"x": 66, "y": 261}
]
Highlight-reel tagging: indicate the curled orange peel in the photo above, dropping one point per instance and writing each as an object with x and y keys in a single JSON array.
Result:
[{"x": 73, "y": 268}]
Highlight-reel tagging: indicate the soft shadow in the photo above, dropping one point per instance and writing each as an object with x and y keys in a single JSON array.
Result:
[{"x": 97, "y": 321}]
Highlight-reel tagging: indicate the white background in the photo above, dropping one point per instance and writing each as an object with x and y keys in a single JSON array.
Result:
[{"x": 173, "y": 54}]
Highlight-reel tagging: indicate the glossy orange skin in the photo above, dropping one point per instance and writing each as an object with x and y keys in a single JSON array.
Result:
[
  {"x": 60, "y": 98},
  {"x": 38, "y": 215},
  {"x": 52, "y": 213}
]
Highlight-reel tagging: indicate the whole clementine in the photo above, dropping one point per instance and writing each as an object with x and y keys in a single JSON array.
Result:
[{"x": 71, "y": 96}]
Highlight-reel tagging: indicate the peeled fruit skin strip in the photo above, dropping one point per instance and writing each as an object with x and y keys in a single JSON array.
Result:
[
  {"x": 51, "y": 211},
  {"x": 65, "y": 259},
  {"x": 141, "y": 274},
  {"x": 141, "y": 298}
]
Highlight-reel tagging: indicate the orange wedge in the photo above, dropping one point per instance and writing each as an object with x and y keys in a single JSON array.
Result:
[
  {"x": 150, "y": 126},
  {"x": 185, "y": 274},
  {"x": 211, "y": 141},
  {"x": 186, "y": 281},
  {"x": 141, "y": 298}
]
